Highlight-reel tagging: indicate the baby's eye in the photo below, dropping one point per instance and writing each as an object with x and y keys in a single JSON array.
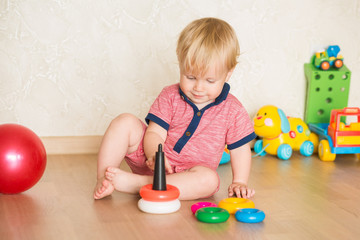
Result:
[
  {"x": 211, "y": 80},
  {"x": 190, "y": 77}
]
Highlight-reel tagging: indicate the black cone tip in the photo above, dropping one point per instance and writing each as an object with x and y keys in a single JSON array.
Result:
[{"x": 159, "y": 182}]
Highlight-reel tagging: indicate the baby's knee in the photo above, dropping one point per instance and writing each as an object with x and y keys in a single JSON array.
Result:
[
  {"x": 125, "y": 119},
  {"x": 209, "y": 178}
]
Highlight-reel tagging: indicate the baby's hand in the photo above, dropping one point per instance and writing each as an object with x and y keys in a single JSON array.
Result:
[
  {"x": 151, "y": 164},
  {"x": 240, "y": 190}
]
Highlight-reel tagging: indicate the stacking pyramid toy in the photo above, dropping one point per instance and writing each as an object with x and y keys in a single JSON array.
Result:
[{"x": 159, "y": 197}]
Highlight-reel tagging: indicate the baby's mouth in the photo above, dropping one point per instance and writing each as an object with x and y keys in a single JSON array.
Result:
[{"x": 197, "y": 96}]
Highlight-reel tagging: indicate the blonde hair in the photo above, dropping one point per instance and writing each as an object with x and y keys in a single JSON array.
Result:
[{"x": 205, "y": 42}]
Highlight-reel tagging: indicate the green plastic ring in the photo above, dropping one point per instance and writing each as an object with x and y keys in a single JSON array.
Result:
[{"x": 212, "y": 215}]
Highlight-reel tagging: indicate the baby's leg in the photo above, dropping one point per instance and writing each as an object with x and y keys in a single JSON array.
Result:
[
  {"x": 122, "y": 137},
  {"x": 125, "y": 181},
  {"x": 197, "y": 182}
]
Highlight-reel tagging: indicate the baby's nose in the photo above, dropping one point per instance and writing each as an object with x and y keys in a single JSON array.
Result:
[{"x": 198, "y": 86}]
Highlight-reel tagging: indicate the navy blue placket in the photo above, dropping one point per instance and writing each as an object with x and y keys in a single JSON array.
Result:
[{"x": 190, "y": 130}]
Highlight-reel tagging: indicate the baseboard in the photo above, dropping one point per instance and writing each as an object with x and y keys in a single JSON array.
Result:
[{"x": 72, "y": 144}]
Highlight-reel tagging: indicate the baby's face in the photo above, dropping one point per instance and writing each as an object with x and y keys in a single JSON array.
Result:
[{"x": 203, "y": 90}]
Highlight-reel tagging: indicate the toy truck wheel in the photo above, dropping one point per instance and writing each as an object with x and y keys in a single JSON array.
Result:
[
  {"x": 338, "y": 63},
  {"x": 325, "y": 65},
  {"x": 258, "y": 148},
  {"x": 284, "y": 151},
  {"x": 325, "y": 152},
  {"x": 307, "y": 148}
]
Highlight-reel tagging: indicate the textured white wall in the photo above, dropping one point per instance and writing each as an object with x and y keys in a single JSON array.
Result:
[{"x": 67, "y": 67}]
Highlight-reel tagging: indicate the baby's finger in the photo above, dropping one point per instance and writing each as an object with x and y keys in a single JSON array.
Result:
[
  {"x": 150, "y": 164},
  {"x": 251, "y": 193},
  {"x": 237, "y": 192},
  {"x": 244, "y": 192},
  {"x": 231, "y": 192},
  {"x": 168, "y": 167}
]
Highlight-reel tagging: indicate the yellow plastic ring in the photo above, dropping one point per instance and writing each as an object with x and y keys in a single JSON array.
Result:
[{"x": 234, "y": 204}]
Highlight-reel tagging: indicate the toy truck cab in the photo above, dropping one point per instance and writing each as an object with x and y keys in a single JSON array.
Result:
[
  {"x": 341, "y": 134},
  {"x": 337, "y": 137},
  {"x": 328, "y": 58}
]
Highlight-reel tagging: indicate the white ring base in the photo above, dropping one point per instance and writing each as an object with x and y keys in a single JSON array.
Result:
[{"x": 159, "y": 207}]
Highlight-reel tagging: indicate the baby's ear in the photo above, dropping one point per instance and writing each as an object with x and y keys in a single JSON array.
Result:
[{"x": 228, "y": 76}]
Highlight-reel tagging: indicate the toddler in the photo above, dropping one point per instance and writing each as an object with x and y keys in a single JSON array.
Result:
[{"x": 193, "y": 120}]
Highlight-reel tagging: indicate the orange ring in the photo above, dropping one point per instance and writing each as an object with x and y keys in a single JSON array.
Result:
[
  {"x": 148, "y": 194},
  {"x": 234, "y": 204}
]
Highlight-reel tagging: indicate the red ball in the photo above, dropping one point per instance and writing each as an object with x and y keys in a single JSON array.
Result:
[{"x": 22, "y": 158}]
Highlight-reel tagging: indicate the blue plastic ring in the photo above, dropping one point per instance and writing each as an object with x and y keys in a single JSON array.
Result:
[{"x": 249, "y": 215}]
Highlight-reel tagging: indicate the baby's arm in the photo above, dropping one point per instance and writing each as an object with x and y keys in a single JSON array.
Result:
[
  {"x": 154, "y": 135},
  {"x": 241, "y": 164}
]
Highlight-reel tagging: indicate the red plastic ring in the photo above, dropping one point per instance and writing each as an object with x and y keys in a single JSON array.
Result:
[{"x": 148, "y": 194}]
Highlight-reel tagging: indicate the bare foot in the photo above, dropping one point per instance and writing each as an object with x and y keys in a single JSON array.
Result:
[
  {"x": 125, "y": 181},
  {"x": 103, "y": 188}
]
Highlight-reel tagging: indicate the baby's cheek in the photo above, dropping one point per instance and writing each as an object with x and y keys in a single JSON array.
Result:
[{"x": 268, "y": 122}]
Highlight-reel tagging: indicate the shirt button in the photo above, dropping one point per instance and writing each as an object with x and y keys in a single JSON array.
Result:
[
  {"x": 199, "y": 114},
  {"x": 188, "y": 134}
]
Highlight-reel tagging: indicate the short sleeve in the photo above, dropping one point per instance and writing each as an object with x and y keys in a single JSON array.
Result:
[
  {"x": 241, "y": 127},
  {"x": 161, "y": 110}
]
